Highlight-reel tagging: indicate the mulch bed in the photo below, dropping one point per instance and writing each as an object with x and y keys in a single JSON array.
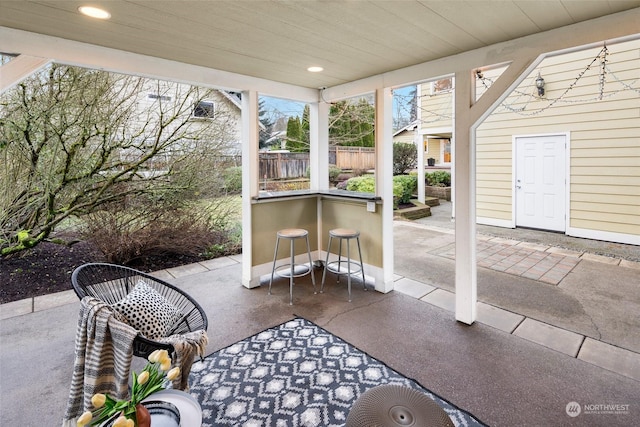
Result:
[{"x": 47, "y": 268}]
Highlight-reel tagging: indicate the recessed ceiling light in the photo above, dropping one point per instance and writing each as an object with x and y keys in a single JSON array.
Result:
[
  {"x": 94, "y": 12},
  {"x": 315, "y": 69}
]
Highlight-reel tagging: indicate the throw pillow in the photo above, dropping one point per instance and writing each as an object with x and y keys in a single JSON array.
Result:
[{"x": 148, "y": 311}]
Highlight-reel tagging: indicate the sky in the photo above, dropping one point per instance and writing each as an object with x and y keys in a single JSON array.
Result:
[{"x": 278, "y": 107}]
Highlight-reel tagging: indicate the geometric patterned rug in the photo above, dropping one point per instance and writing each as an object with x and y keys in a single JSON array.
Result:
[{"x": 294, "y": 374}]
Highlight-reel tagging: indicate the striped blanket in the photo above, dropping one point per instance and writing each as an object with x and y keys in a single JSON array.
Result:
[
  {"x": 103, "y": 354},
  {"x": 104, "y": 350}
]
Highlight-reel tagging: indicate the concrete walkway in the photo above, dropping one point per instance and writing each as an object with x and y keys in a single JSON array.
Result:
[{"x": 553, "y": 327}]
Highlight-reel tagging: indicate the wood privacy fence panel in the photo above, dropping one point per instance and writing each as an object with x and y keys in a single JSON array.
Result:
[
  {"x": 283, "y": 165},
  {"x": 295, "y": 165},
  {"x": 363, "y": 158}
]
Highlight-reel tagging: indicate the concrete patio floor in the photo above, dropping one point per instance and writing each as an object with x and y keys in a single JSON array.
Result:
[{"x": 537, "y": 346}]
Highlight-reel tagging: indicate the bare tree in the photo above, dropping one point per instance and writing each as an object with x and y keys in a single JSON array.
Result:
[{"x": 72, "y": 140}]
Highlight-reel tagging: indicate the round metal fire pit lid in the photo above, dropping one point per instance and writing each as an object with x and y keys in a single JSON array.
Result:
[{"x": 396, "y": 406}]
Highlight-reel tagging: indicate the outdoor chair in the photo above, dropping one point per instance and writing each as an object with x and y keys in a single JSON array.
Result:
[{"x": 112, "y": 283}]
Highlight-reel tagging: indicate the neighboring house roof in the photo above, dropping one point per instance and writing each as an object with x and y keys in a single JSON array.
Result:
[{"x": 410, "y": 127}]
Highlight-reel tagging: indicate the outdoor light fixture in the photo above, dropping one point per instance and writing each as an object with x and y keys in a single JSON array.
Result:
[
  {"x": 94, "y": 12},
  {"x": 540, "y": 85}
]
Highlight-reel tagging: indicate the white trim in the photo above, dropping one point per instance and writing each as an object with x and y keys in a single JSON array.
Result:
[
  {"x": 505, "y": 223},
  {"x": 18, "y": 69},
  {"x": 86, "y": 55},
  {"x": 607, "y": 236},
  {"x": 435, "y": 132}
]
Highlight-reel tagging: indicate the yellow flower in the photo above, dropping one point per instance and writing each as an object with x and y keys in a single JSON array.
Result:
[
  {"x": 84, "y": 418},
  {"x": 143, "y": 378},
  {"x": 122, "y": 421},
  {"x": 162, "y": 355},
  {"x": 98, "y": 400},
  {"x": 153, "y": 357},
  {"x": 173, "y": 374},
  {"x": 165, "y": 365}
]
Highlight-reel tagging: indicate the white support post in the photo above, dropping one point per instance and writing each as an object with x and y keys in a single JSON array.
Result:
[
  {"x": 466, "y": 286},
  {"x": 319, "y": 158},
  {"x": 419, "y": 140},
  {"x": 384, "y": 181},
  {"x": 319, "y": 150},
  {"x": 250, "y": 163}
]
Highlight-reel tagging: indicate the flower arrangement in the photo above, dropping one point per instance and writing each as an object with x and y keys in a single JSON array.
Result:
[{"x": 151, "y": 379}]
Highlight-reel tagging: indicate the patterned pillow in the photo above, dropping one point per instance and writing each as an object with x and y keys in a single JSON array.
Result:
[{"x": 148, "y": 311}]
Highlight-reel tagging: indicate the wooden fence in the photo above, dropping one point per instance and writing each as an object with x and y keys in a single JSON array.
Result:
[
  {"x": 283, "y": 165},
  {"x": 295, "y": 165},
  {"x": 362, "y": 158}
]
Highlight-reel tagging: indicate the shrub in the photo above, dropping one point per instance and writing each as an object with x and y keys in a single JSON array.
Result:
[
  {"x": 405, "y": 157},
  {"x": 233, "y": 179},
  {"x": 334, "y": 172},
  {"x": 403, "y": 187},
  {"x": 362, "y": 184},
  {"x": 438, "y": 178},
  {"x": 132, "y": 233},
  {"x": 408, "y": 183}
]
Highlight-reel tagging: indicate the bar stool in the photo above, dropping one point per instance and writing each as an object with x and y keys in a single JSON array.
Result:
[
  {"x": 337, "y": 267},
  {"x": 293, "y": 269}
]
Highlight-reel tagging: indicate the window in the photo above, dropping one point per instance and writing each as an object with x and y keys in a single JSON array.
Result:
[
  {"x": 203, "y": 109},
  {"x": 442, "y": 85}
]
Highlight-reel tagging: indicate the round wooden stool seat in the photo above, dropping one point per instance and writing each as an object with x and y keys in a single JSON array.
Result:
[
  {"x": 292, "y": 233},
  {"x": 344, "y": 233}
]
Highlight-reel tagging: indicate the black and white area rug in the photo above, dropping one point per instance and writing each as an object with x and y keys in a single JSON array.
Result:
[{"x": 294, "y": 374}]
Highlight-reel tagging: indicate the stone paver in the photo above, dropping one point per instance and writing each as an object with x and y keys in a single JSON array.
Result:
[
  {"x": 162, "y": 275},
  {"x": 566, "y": 342},
  {"x": 600, "y": 258},
  {"x": 564, "y": 252},
  {"x": 16, "y": 308},
  {"x": 534, "y": 246},
  {"x": 609, "y": 357},
  {"x": 215, "y": 263},
  {"x": 630, "y": 264},
  {"x": 441, "y": 298},
  {"x": 498, "y": 318},
  {"x": 186, "y": 270},
  {"x": 54, "y": 300},
  {"x": 412, "y": 288}
]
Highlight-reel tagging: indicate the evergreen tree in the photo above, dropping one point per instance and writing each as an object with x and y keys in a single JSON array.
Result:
[
  {"x": 267, "y": 125},
  {"x": 295, "y": 142}
]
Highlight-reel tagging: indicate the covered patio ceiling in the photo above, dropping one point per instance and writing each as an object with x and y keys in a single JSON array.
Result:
[{"x": 279, "y": 40}]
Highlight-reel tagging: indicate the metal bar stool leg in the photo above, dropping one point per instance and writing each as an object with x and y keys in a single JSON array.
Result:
[
  {"x": 349, "y": 267},
  {"x": 292, "y": 273},
  {"x": 364, "y": 282},
  {"x": 273, "y": 268},
  {"x": 313, "y": 278},
  {"x": 326, "y": 263},
  {"x": 339, "y": 259}
]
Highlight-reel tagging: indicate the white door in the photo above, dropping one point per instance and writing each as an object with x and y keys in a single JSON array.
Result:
[{"x": 540, "y": 185}]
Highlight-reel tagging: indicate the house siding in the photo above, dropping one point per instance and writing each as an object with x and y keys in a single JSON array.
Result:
[
  {"x": 603, "y": 151},
  {"x": 604, "y": 156}
]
